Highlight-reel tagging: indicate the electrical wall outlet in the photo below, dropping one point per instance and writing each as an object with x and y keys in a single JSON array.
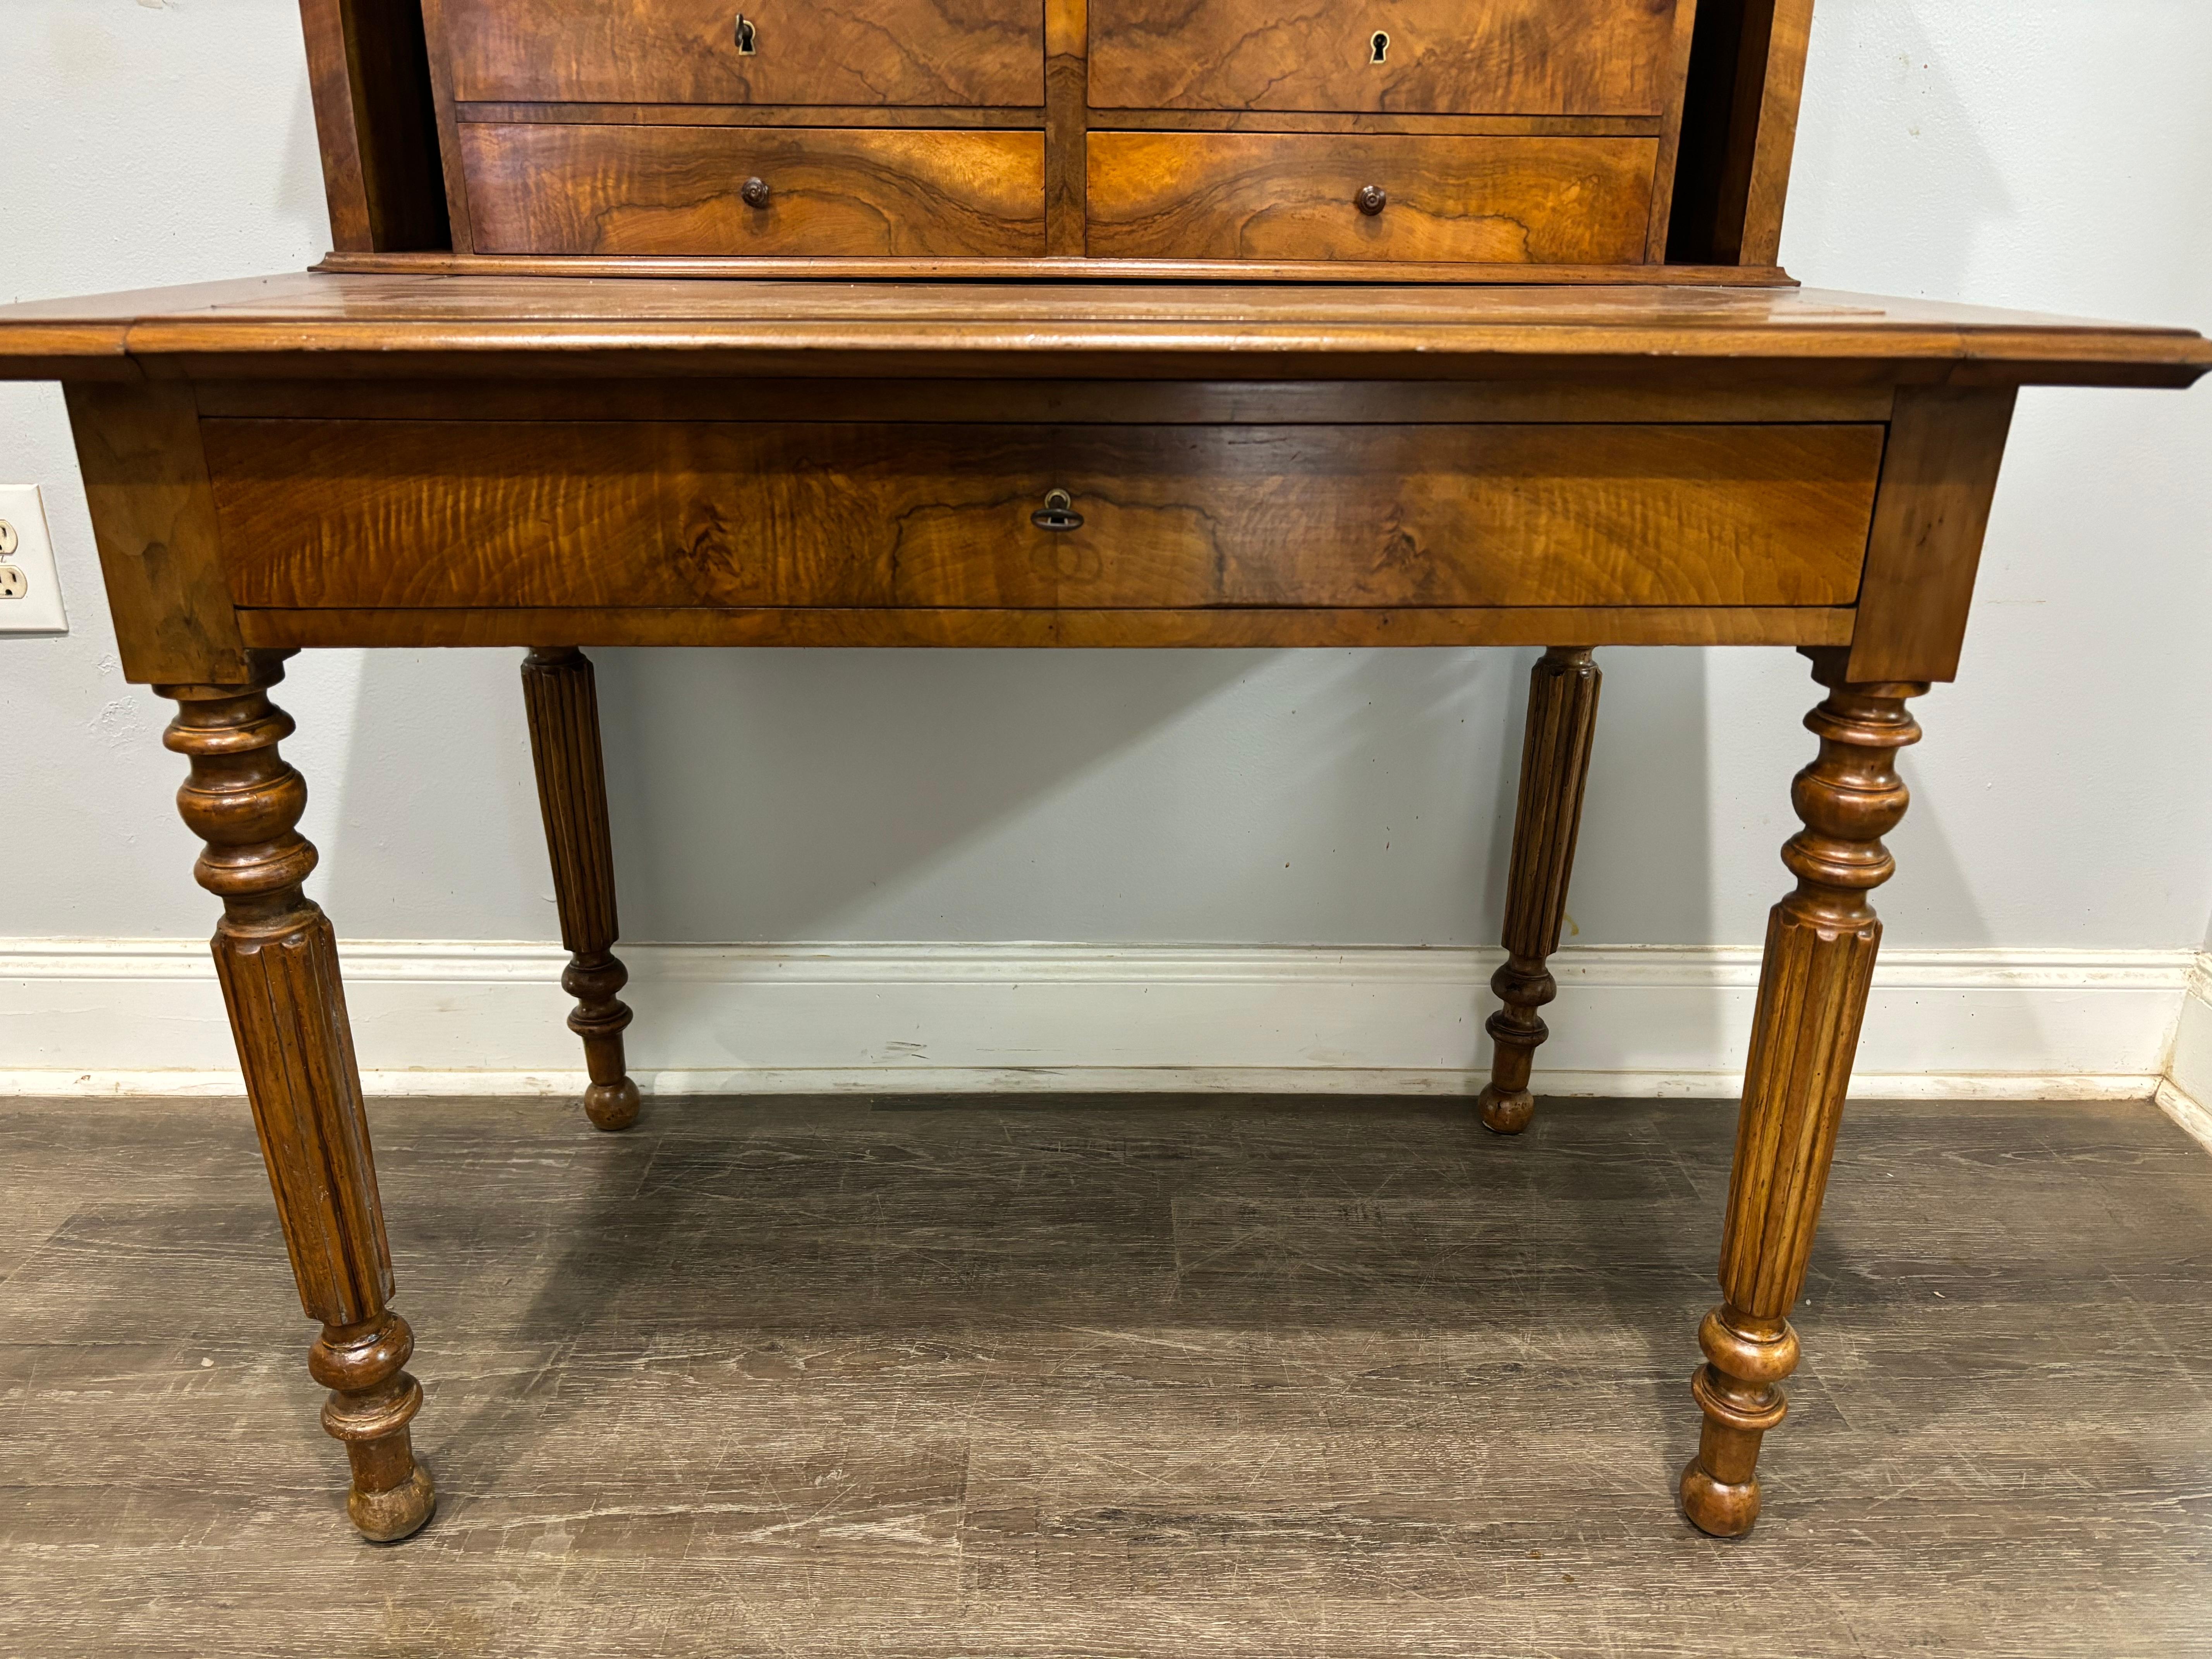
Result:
[{"x": 30, "y": 593}]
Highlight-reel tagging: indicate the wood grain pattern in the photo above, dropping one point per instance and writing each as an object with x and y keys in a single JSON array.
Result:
[
  {"x": 1066, "y": 74},
  {"x": 427, "y": 514},
  {"x": 154, "y": 521},
  {"x": 337, "y": 131},
  {"x": 685, "y": 52},
  {"x": 1821, "y": 941},
  {"x": 1740, "y": 123},
  {"x": 1142, "y": 403},
  {"x": 1670, "y": 132},
  {"x": 1246, "y": 626},
  {"x": 1052, "y": 268},
  {"x": 754, "y": 115},
  {"x": 560, "y": 694},
  {"x": 1789, "y": 33},
  {"x": 1261, "y": 195},
  {"x": 1435, "y": 126},
  {"x": 417, "y": 326},
  {"x": 276, "y": 957},
  {"x": 445, "y": 107},
  {"x": 1555, "y": 753},
  {"x": 1500, "y": 57},
  {"x": 650, "y": 191},
  {"x": 369, "y": 73},
  {"x": 1939, "y": 480}
]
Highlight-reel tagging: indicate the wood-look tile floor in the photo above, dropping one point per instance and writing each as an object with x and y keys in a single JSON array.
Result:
[{"x": 1053, "y": 1378}]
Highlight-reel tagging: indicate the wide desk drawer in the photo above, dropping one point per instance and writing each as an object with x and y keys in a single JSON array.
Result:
[
  {"x": 945, "y": 52},
  {"x": 537, "y": 187},
  {"x": 428, "y": 514},
  {"x": 1608, "y": 57},
  {"x": 1314, "y": 195}
]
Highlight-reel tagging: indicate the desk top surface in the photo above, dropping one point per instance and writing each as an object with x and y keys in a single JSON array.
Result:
[{"x": 347, "y": 324}]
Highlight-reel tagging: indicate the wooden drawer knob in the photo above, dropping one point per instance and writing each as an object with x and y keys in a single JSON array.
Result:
[
  {"x": 756, "y": 192},
  {"x": 1371, "y": 199}
]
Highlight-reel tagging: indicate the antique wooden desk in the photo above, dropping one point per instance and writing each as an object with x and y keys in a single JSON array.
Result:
[{"x": 1444, "y": 322}]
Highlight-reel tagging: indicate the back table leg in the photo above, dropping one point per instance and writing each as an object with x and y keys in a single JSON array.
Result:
[
  {"x": 278, "y": 962},
  {"x": 563, "y": 704},
  {"x": 1555, "y": 751}
]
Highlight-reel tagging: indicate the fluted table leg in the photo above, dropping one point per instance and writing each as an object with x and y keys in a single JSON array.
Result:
[
  {"x": 1555, "y": 751},
  {"x": 277, "y": 959},
  {"x": 562, "y": 700},
  {"x": 1821, "y": 946}
]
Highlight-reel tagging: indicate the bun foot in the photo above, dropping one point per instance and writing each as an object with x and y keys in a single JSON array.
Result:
[
  {"x": 612, "y": 1106},
  {"x": 1715, "y": 1507},
  {"x": 385, "y": 1517},
  {"x": 1506, "y": 1111}
]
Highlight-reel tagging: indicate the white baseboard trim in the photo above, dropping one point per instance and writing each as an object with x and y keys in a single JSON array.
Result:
[
  {"x": 1106, "y": 1080},
  {"x": 2191, "y": 1117},
  {"x": 103, "y": 1016},
  {"x": 2187, "y": 1085}
]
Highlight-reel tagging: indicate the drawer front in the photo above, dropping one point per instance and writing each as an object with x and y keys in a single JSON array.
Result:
[
  {"x": 1436, "y": 56},
  {"x": 945, "y": 52},
  {"x": 1281, "y": 196},
  {"x": 680, "y": 514},
  {"x": 543, "y": 188}
]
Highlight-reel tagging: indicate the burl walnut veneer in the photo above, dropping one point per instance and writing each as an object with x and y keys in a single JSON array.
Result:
[{"x": 1413, "y": 323}]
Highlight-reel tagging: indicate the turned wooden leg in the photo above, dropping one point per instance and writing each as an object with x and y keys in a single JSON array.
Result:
[
  {"x": 558, "y": 689},
  {"x": 278, "y": 962},
  {"x": 1821, "y": 946},
  {"x": 1555, "y": 751}
]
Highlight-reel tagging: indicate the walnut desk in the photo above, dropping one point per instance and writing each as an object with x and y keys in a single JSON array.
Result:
[{"x": 555, "y": 463}]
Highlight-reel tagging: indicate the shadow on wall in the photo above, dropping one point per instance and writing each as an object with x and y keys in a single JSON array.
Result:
[
  {"x": 1316, "y": 796},
  {"x": 1332, "y": 797}
]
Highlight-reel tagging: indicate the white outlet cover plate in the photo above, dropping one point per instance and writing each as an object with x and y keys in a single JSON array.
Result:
[{"x": 39, "y": 608}]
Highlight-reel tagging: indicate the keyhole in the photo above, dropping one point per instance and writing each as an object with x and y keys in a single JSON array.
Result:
[
  {"x": 745, "y": 35},
  {"x": 1381, "y": 44}
]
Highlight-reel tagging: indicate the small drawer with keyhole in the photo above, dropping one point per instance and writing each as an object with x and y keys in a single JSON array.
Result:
[
  {"x": 1538, "y": 57},
  {"x": 885, "y": 53}
]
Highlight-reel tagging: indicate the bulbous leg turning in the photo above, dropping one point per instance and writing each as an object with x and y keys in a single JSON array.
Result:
[
  {"x": 1555, "y": 751},
  {"x": 1739, "y": 1391},
  {"x": 372, "y": 1400},
  {"x": 1821, "y": 941}
]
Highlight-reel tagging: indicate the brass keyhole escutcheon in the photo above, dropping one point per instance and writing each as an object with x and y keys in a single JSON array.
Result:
[
  {"x": 1371, "y": 199},
  {"x": 1378, "y": 46},
  {"x": 1058, "y": 512},
  {"x": 744, "y": 32},
  {"x": 755, "y": 192}
]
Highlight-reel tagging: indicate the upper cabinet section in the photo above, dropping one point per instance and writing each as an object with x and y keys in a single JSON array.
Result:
[
  {"x": 1438, "y": 140},
  {"x": 1589, "y": 57},
  {"x": 939, "y": 54}
]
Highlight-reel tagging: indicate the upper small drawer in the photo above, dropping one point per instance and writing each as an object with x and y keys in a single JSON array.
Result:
[
  {"x": 859, "y": 52},
  {"x": 1407, "y": 56}
]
